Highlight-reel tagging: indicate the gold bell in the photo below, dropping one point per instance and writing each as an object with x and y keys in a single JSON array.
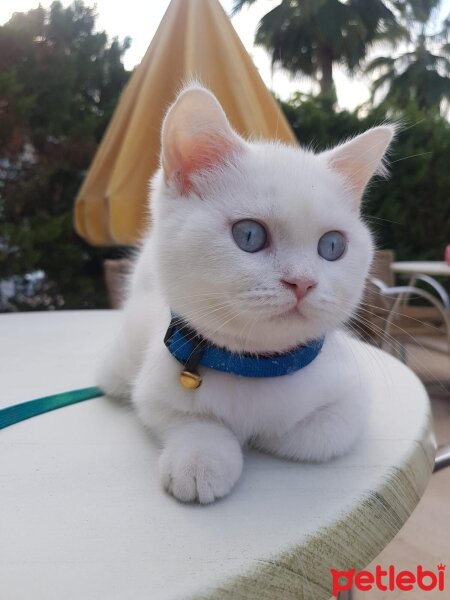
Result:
[{"x": 190, "y": 380}]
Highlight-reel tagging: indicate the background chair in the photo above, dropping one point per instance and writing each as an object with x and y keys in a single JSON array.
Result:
[
  {"x": 115, "y": 272},
  {"x": 407, "y": 333},
  {"x": 401, "y": 318},
  {"x": 370, "y": 317}
]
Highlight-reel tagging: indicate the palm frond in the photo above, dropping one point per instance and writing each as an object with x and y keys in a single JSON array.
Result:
[
  {"x": 239, "y": 5},
  {"x": 381, "y": 81},
  {"x": 379, "y": 63}
]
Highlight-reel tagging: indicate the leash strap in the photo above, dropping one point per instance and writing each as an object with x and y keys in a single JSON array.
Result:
[{"x": 26, "y": 410}]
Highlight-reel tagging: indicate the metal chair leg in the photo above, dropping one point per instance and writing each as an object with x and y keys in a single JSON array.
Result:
[
  {"x": 348, "y": 595},
  {"x": 442, "y": 458}
]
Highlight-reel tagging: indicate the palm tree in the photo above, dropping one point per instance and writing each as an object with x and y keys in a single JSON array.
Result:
[
  {"x": 310, "y": 36},
  {"x": 420, "y": 74}
]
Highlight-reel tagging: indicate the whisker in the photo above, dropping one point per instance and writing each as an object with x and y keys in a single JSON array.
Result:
[
  {"x": 396, "y": 344},
  {"x": 385, "y": 336},
  {"x": 411, "y": 156}
]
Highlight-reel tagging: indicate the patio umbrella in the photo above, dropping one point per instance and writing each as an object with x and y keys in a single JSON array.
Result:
[{"x": 194, "y": 40}]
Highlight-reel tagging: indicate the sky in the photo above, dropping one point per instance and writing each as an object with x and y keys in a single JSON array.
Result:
[{"x": 139, "y": 19}]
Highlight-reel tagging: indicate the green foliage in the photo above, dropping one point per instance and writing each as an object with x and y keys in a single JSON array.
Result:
[
  {"x": 409, "y": 212},
  {"x": 311, "y": 36},
  {"x": 59, "y": 83},
  {"x": 419, "y": 71}
]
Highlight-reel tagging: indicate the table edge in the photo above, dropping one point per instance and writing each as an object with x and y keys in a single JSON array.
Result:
[
  {"x": 381, "y": 512},
  {"x": 400, "y": 267}
]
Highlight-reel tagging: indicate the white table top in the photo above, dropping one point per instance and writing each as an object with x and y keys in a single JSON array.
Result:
[
  {"x": 427, "y": 267},
  {"x": 82, "y": 513}
]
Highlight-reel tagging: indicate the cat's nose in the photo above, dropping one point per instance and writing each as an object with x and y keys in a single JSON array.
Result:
[{"x": 300, "y": 286}]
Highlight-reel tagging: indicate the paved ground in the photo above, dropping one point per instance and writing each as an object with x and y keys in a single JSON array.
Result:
[{"x": 425, "y": 537}]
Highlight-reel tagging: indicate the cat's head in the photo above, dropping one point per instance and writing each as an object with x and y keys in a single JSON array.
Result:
[{"x": 259, "y": 246}]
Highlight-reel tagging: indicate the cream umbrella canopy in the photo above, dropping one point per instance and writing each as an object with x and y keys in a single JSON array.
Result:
[{"x": 195, "y": 40}]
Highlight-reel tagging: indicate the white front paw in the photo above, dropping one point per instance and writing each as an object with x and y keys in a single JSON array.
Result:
[{"x": 203, "y": 469}]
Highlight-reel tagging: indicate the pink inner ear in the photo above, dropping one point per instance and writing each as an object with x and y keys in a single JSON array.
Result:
[
  {"x": 356, "y": 171},
  {"x": 203, "y": 153}
]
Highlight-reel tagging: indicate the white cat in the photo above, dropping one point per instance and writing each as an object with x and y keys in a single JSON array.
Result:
[{"x": 260, "y": 249}]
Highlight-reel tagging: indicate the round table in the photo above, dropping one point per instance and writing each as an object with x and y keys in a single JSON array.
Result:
[
  {"x": 83, "y": 514},
  {"x": 427, "y": 267}
]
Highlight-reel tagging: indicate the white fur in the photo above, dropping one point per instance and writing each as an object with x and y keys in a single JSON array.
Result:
[{"x": 190, "y": 263}]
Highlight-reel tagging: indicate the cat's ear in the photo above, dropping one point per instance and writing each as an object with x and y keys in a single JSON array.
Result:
[
  {"x": 196, "y": 135},
  {"x": 361, "y": 158}
]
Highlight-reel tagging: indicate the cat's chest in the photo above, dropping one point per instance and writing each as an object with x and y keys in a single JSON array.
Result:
[
  {"x": 250, "y": 406},
  {"x": 273, "y": 405}
]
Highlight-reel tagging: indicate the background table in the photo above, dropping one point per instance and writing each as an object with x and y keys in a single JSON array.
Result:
[
  {"x": 83, "y": 516},
  {"x": 427, "y": 267}
]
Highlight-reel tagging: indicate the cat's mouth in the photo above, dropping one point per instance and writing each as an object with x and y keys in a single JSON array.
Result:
[{"x": 292, "y": 311}]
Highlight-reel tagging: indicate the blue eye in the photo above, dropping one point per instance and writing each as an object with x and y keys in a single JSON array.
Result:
[
  {"x": 249, "y": 235},
  {"x": 332, "y": 245}
]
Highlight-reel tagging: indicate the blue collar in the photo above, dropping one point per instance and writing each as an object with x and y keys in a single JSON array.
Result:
[{"x": 191, "y": 350}]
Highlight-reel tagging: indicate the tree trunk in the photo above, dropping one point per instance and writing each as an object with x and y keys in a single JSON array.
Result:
[{"x": 325, "y": 60}]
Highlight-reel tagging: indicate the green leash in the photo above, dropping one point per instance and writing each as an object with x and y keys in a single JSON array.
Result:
[{"x": 26, "y": 410}]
